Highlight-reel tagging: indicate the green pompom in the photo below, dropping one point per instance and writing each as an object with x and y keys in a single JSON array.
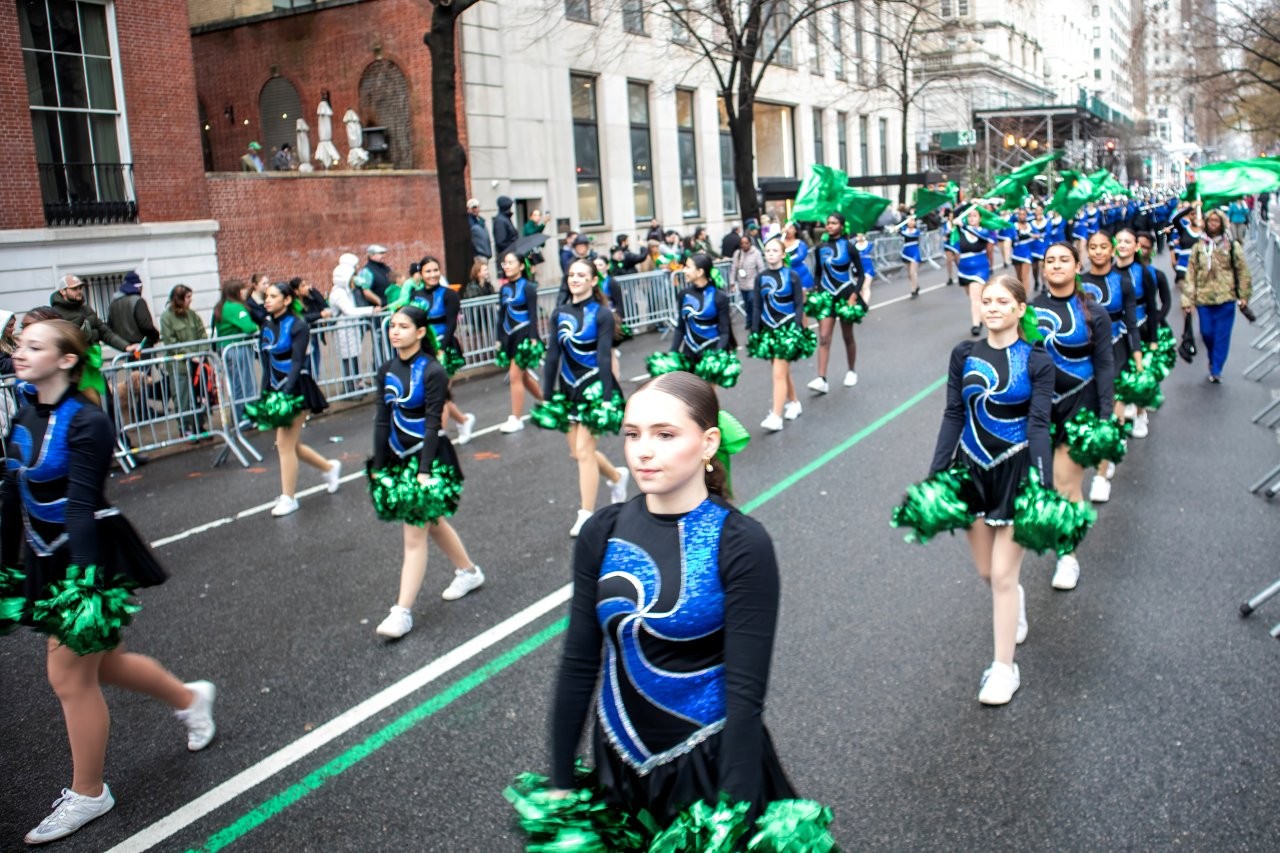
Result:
[
  {"x": 850, "y": 312},
  {"x": 705, "y": 829},
  {"x": 666, "y": 362},
  {"x": 719, "y": 367},
  {"x": 1141, "y": 388},
  {"x": 552, "y": 414},
  {"x": 83, "y": 616},
  {"x": 451, "y": 360},
  {"x": 793, "y": 826},
  {"x": 1165, "y": 351},
  {"x": 1092, "y": 440},
  {"x": 398, "y": 496},
  {"x": 934, "y": 506},
  {"x": 529, "y": 353},
  {"x": 819, "y": 304},
  {"x": 1044, "y": 520},
  {"x": 13, "y": 604},
  {"x": 274, "y": 409},
  {"x": 625, "y": 333},
  {"x": 789, "y": 342},
  {"x": 581, "y": 822},
  {"x": 599, "y": 415}
]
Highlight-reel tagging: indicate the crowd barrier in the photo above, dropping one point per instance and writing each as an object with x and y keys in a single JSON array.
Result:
[{"x": 1262, "y": 252}]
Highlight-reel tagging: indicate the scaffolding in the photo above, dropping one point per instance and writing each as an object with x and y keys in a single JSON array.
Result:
[{"x": 1007, "y": 138}]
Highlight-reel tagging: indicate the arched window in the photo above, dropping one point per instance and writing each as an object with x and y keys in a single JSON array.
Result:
[
  {"x": 279, "y": 108},
  {"x": 384, "y": 102}
]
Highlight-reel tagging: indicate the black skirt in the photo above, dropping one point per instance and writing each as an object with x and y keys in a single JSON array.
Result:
[
  {"x": 670, "y": 788},
  {"x": 1086, "y": 399},
  {"x": 1122, "y": 353},
  {"x": 312, "y": 397},
  {"x": 991, "y": 492}
]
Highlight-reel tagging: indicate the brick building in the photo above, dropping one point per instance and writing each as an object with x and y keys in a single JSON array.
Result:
[{"x": 98, "y": 116}]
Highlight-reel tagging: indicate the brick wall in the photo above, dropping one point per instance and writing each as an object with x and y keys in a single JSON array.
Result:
[
  {"x": 20, "y": 205},
  {"x": 293, "y": 224},
  {"x": 328, "y": 49}
]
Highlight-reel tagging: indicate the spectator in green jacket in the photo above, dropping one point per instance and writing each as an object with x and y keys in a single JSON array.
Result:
[
  {"x": 180, "y": 325},
  {"x": 232, "y": 317}
]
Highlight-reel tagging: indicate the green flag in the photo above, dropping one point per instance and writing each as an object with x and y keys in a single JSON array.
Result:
[
  {"x": 1012, "y": 190},
  {"x": 861, "y": 209},
  {"x": 819, "y": 194},
  {"x": 1235, "y": 178},
  {"x": 1073, "y": 193},
  {"x": 953, "y": 191},
  {"x": 990, "y": 221},
  {"x": 928, "y": 201},
  {"x": 1024, "y": 173}
]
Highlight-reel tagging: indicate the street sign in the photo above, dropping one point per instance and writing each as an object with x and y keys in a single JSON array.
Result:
[{"x": 950, "y": 140}]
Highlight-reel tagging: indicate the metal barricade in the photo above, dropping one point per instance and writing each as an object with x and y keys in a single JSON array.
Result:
[
  {"x": 345, "y": 353},
  {"x": 886, "y": 251},
  {"x": 649, "y": 299},
  {"x": 166, "y": 397}
]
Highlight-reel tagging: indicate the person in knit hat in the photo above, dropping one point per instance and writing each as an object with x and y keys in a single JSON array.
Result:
[
  {"x": 129, "y": 316},
  {"x": 342, "y": 303}
]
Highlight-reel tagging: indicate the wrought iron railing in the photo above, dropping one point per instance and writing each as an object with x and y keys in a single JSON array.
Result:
[{"x": 88, "y": 193}]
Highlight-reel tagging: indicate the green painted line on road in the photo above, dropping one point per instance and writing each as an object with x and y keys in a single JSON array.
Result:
[{"x": 317, "y": 778}]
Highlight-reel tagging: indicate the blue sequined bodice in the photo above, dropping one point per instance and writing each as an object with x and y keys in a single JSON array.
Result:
[
  {"x": 996, "y": 389},
  {"x": 835, "y": 265},
  {"x": 42, "y": 472},
  {"x": 651, "y": 708},
  {"x": 778, "y": 297},
  {"x": 516, "y": 311},
  {"x": 276, "y": 343},
  {"x": 1108, "y": 292},
  {"x": 578, "y": 334},
  {"x": 405, "y": 393},
  {"x": 1065, "y": 327},
  {"x": 701, "y": 319}
]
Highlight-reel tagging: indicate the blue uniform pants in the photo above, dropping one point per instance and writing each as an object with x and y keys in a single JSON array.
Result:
[{"x": 1215, "y": 328}]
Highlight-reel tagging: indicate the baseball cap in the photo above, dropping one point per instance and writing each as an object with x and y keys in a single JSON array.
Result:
[
  {"x": 376, "y": 249},
  {"x": 473, "y": 202},
  {"x": 253, "y": 146},
  {"x": 415, "y": 267},
  {"x": 582, "y": 240}
]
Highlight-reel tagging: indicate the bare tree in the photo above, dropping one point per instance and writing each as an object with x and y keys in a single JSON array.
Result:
[
  {"x": 451, "y": 158},
  {"x": 912, "y": 24},
  {"x": 1236, "y": 72}
]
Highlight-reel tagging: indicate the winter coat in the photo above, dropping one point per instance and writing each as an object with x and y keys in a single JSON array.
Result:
[
  {"x": 175, "y": 329},
  {"x": 1210, "y": 280},
  {"x": 130, "y": 318},
  {"x": 504, "y": 229},
  {"x": 480, "y": 245},
  {"x": 347, "y": 335},
  {"x": 81, "y": 315}
]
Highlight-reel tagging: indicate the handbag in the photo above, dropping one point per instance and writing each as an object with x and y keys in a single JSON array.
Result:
[
  {"x": 1187, "y": 348},
  {"x": 1235, "y": 286}
]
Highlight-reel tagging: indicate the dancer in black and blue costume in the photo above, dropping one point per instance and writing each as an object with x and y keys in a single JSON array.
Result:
[
  {"x": 1146, "y": 309},
  {"x": 289, "y": 392},
  {"x": 69, "y": 562},
  {"x": 1187, "y": 232},
  {"x": 797, "y": 254},
  {"x": 780, "y": 334},
  {"x": 579, "y": 367},
  {"x": 1077, "y": 336},
  {"x": 703, "y": 342},
  {"x": 1114, "y": 294},
  {"x": 1024, "y": 238},
  {"x": 443, "y": 306},
  {"x": 996, "y": 426},
  {"x": 867, "y": 254},
  {"x": 839, "y": 297},
  {"x": 414, "y": 475},
  {"x": 679, "y": 715},
  {"x": 1040, "y": 230},
  {"x": 969, "y": 242},
  {"x": 910, "y": 253},
  {"x": 520, "y": 348}
]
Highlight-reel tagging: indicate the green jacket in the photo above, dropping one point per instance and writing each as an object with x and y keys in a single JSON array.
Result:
[
  {"x": 235, "y": 320},
  {"x": 1210, "y": 278},
  {"x": 180, "y": 330}
]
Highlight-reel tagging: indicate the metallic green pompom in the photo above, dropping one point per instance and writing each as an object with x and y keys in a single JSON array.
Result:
[
  {"x": 13, "y": 604},
  {"x": 599, "y": 415},
  {"x": 83, "y": 616},
  {"x": 1044, "y": 520},
  {"x": 851, "y": 312},
  {"x": 1091, "y": 440},
  {"x": 552, "y": 414},
  {"x": 274, "y": 409},
  {"x": 451, "y": 360},
  {"x": 581, "y": 822},
  {"x": 1141, "y": 388},
  {"x": 719, "y": 367},
  {"x": 666, "y": 362},
  {"x": 529, "y": 353},
  {"x": 398, "y": 496},
  {"x": 704, "y": 828},
  {"x": 934, "y": 506},
  {"x": 789, "y": 342},
  {"x": 819, "y": 304},
  {"x": 793, "y": 826}
]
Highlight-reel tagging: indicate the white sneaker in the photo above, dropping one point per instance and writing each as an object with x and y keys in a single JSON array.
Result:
[
  {"x": 999, "y": 683},
  {"x": 1140, "y": 428},
  {"x": 792, "y": 410},
  {"x": 70, "y": 812},
  {"x": 850, "y": 378},
  {"x": 583, "y": 515},
  {"x": 618, "y": 490},
  {"x": 1130, "y": 411},
  {"x": 1021, "y": 634},
  {"x": 771, "y": 423},
  {"x": 1100, "y": 491},
  {"x": 464, "y": 580},
  {"x": 333, "y": 477},
  {"x": 512, "y": 424},
  {"x": 398, "y": 623},
  {"x": 819, "y": 384},
  {"x": 465, "y": 428},
  {"x": 199, "y": 717},
  {"x": 285, "y": 505},
  {"x": 1111, "y": 471},
  {"x": 1067, "y": 574}
]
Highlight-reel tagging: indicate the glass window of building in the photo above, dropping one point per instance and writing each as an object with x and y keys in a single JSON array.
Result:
[
  {"x": 728, "y": 189},
  {"x": 815, "y": 46},
  {"x": 864, "y": 131},
  {"x": 633, "y": 16},
  {"x": 641, "y": 150},
  {"x": 577, "y": 10},
  {"x": 842, "y": 140},
  {"x": 884, "y": 146},
  {"x": 687, "y": 144},
  {"x": 586, "y": 149},
  {"x": 818, "y": 156}
]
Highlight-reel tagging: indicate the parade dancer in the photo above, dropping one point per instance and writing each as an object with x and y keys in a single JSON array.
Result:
[
  {"x": 999, "y": 397},
  {"x": 1024, "y": 240},
  {"x": 443, "y": 306},
  {"x": 703, "y": 342},
  {"x": 288, "y": 393},
  {"x": 867, "y": 254},
  {"x": 519, "y": 350},
  {"x": 797, "y": 254},
  {"x": 414, "y": 474},
  {"x": 1145, "y": 311},
  {"x": 1040, "y": 228},
  {"x": 68, "y": 563},
  {"x": 579, "y": 365},
  {"x": 910, "y": 253},
  {"x": 779, "y": 334},
  {"x": 969, "y": 242},
  {"x": 1112, "y": 292},
  {"x": 839, "y": 284},
  {"x": 1077, "y": 337}
]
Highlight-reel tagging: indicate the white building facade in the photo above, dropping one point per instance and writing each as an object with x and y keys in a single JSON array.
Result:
[
  {"x": 598, "y": 113},
  {"x": 1170, "y": 106}
]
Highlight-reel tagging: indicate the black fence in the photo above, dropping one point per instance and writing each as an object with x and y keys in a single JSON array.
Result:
[{"x": 88, "y": 193}]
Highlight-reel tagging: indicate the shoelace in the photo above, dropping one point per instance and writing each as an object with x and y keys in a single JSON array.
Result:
[{"x": 61, "y": 807}]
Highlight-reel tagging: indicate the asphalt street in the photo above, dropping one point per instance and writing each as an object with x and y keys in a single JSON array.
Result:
[{"x": 1146, "y": 720}]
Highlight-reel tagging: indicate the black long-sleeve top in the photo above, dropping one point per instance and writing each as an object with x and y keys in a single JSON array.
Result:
[
  {"x": 313, "y": 305},
  {"x": 1114, "y": 292},
  {"x": 839, "y": 268},
  {"x": 580, "y": 348},
  {"x": 703, "y": 321},
  {"x": 283, "y": 345},
  {"x": 998, "y": 401},
  {"x": 63, "y": 479},
  {"x": 1146, "y": 306},
  {"x": 1164, "y": 297},
  {"x": 1077, "y": 337},
  {"x": 408, "y": 410},
  {"x": 442, "y": 305},
  {"x": 707, "y": 609}
]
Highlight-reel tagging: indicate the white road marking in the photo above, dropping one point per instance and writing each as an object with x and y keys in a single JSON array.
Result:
[{"x": 338, "y": 726}]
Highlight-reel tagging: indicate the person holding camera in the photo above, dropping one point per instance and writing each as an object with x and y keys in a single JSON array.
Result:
[
  {"x": 1217, "y": 283},
  {"x": 746, "y": 266},
  {"x": 623, "y": 261}
]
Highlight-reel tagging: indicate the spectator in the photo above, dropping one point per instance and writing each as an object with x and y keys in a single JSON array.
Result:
[
  {"x": 230, "y": 318},
  {"x": 1238, "y": 213},
  {"x": 1217, "y": 281},
  {"x": 347, "y": 338},
  {"x": 251, "y": 160},
  {"x": 673, "y": 252},
  {"x": 69, "y": 304},
  {"x": 478, "y": 281},
  {"x": 128, "y": 314},
  {"x": 767, "y": 229},
  {"x": 283, "y": 159},
  {"x": 254, "y": 303},
  {"x": 374, "y": 278},
  {"x": 747, "y": 263},
  {"x": 480, "y": 245},
  {"x": 730, "y": 243},
  {"x": 566, "y": 252},
  {"x": 180, "y": 325},
  {"x": 581, "y": 252},
  {"x": 753, "y": 234},
  {"x": 700, "y": 244},
  {"x": 504, "y": 229},
  {"x": 409, "y": 287},
  {"x": 7, "y": 342},
  {"x": 314, "y": 309},
  {"x": 655, "y": 231},
  {"x": 622, "y": 261},
  {"x": 653, "y": 258},
  {"x": 535, "y": 224}
]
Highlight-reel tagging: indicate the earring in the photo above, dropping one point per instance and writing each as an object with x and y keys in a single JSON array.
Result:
[{"x": 707, "y": 462}]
